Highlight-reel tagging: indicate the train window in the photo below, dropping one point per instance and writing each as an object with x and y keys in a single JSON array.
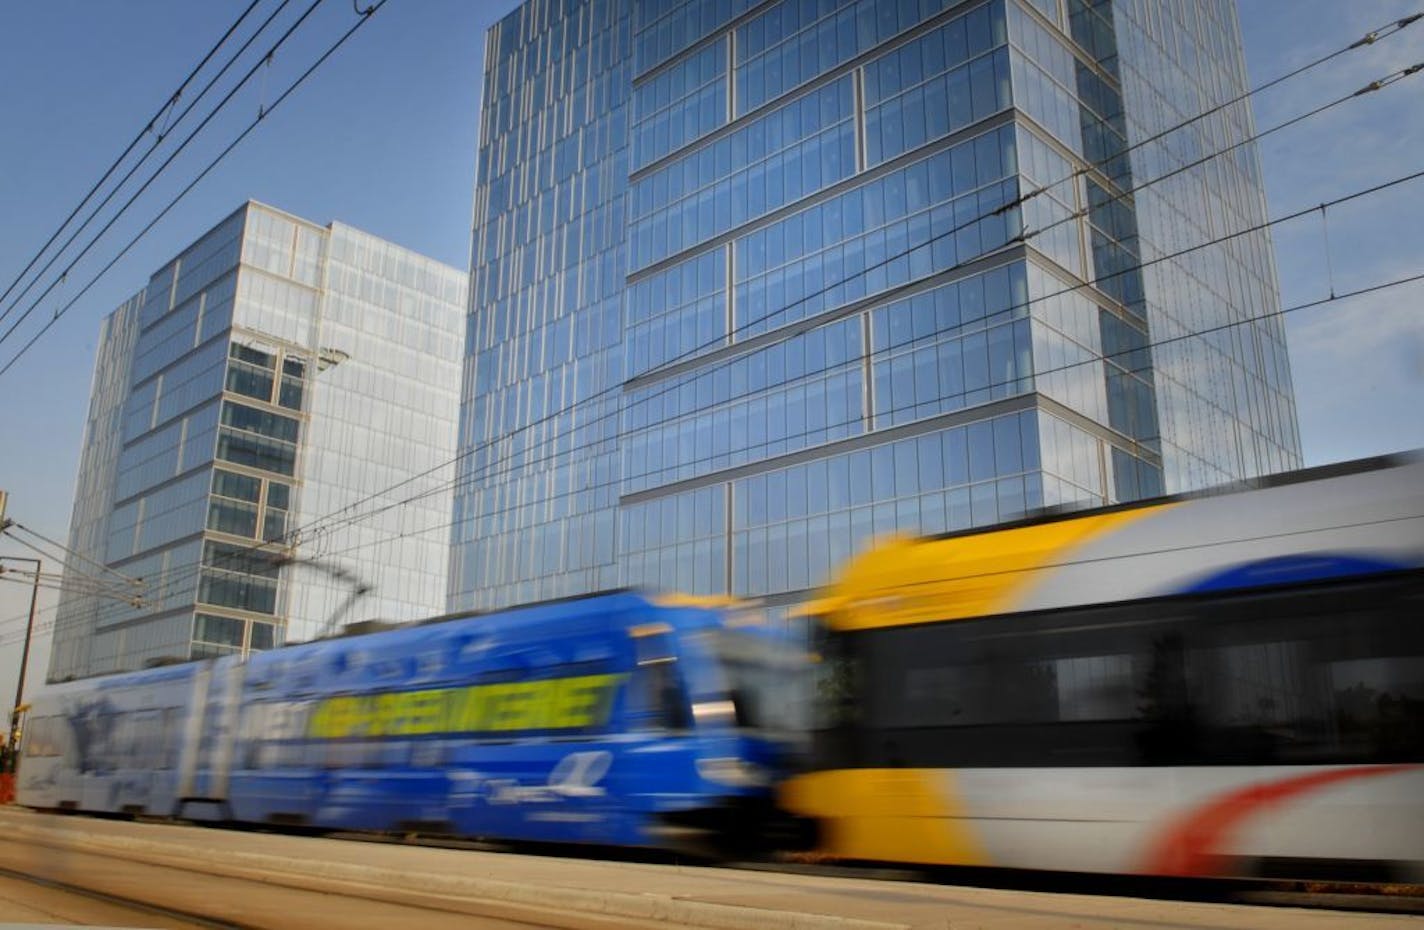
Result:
[
  {"x": 839, "y": 680},
  {"x": 768, "y": 677},
  {"x": 655, "y": 697},
  {"x": 1098, "y": 687},
  {"x": 172, "y": 719},
  {"x": 42, "y": 737},
  {"x": 1325, "y": 674}
]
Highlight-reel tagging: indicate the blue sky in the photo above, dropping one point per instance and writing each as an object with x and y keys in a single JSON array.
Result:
[{"x": 384, "y": 135}]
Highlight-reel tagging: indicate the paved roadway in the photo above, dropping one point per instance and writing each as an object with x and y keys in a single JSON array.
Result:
[{"x": 264, "y": 880}]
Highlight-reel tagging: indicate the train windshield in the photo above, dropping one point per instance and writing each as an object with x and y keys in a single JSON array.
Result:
[{"x": 769, "y": 679}]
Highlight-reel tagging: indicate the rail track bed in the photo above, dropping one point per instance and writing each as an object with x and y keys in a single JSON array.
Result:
[{"x": 253, "y": 879}]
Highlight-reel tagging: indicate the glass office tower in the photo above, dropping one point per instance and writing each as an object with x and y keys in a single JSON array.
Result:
[
  {"x": 274, "y": 375},
  {"x": 755, "y": 283}
]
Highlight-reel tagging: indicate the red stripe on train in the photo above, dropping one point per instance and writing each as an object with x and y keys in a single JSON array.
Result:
[{"x": 1193, "y": 843}]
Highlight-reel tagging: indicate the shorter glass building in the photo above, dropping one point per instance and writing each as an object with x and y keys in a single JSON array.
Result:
[{"x": 269, "y": 377}]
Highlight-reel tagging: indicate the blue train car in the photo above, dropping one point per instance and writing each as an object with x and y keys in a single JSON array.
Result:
[{"x": 611, "y": 719}]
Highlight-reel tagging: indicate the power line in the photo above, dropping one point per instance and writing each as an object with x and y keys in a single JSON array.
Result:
[
  {"x": 138, "y": 193},
  {"x": 78, "y": 580},
  {"x": 68, "y": 551},
  {"x": 992, "y": 385},
  {"x": 1369, "y": 38},
  {"x": 330, "y": 522},
  {"x": 1391, "y": 78},
  {"x": 365, "y": 16},
  {"x": 10, "y": 638},
  {"x": 266, "y": 111},
  {"x": 790, "y": 331},
  {"x": 803, "y": 326},
  {"x": 81, "y": 584},
  {"x": 167, "y": 107},
  {"x": 113, "y": 192},
  {"x": 21, "y": 618},
  {"x": 793, "y": 330},
  {"x": 188, "y": 573}
]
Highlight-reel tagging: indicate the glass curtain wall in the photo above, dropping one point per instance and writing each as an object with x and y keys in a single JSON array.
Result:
[
  {"x": 381, "y": 399},
  {"x": 1226, "y": 401},
  {"x": 172, "y": 408},
  {"x": 882, "y": 274},
  {"x": 275, "y": 373},
  {"x": 537, "y": 491},
  {"x": 78, "y": 612}
]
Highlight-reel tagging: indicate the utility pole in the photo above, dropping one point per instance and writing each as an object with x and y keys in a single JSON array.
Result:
[
  {"x": 24, "y": 652},
  {"x": 14, "y": 740}
]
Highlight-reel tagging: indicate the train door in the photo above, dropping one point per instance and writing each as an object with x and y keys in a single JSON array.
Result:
[
  {"x": 219, "y": 728},
  {"x": 192, "y": 734},
  {"x": 657, "y": 700},
  {"x": 225, "y": 738},
  {"x": 658, "y": 763}
]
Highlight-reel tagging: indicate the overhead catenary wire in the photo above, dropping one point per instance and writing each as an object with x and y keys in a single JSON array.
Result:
[
  {"x": 992, "y": 385},
  {"x": 85, "y": 583},
  {"x": 10, "y": 638},
  {"x": 1369, "y": 38},
  {"x": 68, "y": 551},
  {"x": 169, "y": 104},
  {"x": 194, "y": 183},
  {"x": 157, "y": 173},
  {"x": 1375, "y": 35},
  {"x": 366, "y": 16},
  {"x": 1198, "y": 162},
  {"x": 609, "y": 392},
  {"x": 342, "y": 518},
  {"x": 22, "y": 618},
  {"x": 802, "y": 326},
  {"x": 187, "y": 574},
  {"x": 134, "y": 168},
  {"x": 49, "y": 580}
]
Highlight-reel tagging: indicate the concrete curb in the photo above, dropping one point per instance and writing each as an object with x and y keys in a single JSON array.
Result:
[{"x": 292, "y": 872}]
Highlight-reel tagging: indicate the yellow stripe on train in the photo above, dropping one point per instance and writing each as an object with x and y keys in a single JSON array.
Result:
[
  {"x": 922, "y": 580},
  {"x": 887, "y": 814},
  {"x": 551, "y": 704}
]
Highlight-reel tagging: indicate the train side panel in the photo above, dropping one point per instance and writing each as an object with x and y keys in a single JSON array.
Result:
[
  {"x": 1188, "y": 821},
  {"x": 1296, "y": 533},
  {"x": 1228, "y": 684},
  {"x": 110, "y": 745},
  {"x": 569, "y": 722},
  {"x": 609, "y": 719}
]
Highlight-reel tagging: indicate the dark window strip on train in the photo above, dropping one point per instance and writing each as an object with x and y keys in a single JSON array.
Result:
[{"x": 1319, "y": 674}]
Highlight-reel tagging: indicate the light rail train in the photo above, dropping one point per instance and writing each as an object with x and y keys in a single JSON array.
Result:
[
  {"x": 1223, "y": 684},
  {"x": 1218, "y": 684},
  {"x": 611, "y": 719}
]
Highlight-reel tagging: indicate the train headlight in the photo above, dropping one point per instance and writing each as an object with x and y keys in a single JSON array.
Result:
[{"x": 733, "y": 772}]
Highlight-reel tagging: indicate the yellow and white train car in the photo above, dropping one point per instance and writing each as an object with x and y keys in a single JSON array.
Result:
[{"x": 1222, "y": 684}]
